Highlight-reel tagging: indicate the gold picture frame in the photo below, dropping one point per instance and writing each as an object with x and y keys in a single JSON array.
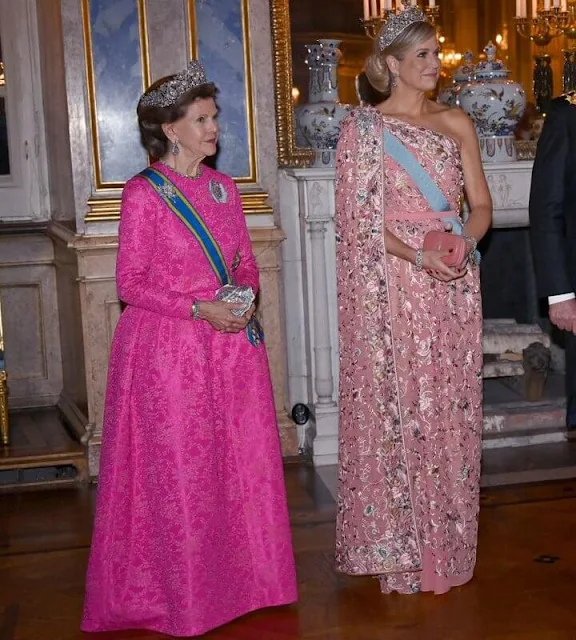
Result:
[
  {"x": 105, "y": 201},
  {"x": 288, "y": 154}
]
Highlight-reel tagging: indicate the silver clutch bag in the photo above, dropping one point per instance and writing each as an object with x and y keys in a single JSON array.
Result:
[{"x": 237, "y": 295}]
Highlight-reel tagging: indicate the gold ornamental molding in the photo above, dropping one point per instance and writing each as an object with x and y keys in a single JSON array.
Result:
[
  {"x": 193, "y": 51},
  {"x": 288, "y": 154},
  {"x": 192, "y": 33},
  {"x": 253, "y": 203},
  {"x": 108, "y": 209},
  {"x": 100, "y": 185},
  {"x": 104, "y": 205},
  {"x": 103, "y": 210}
]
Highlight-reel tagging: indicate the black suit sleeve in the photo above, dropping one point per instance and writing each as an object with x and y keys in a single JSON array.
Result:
[{"x": 547, "y": 202}]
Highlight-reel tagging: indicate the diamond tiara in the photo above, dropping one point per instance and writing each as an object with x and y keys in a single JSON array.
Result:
[
  {"x": 399, "y": 22},
  {"x": 168, "y": 92}
]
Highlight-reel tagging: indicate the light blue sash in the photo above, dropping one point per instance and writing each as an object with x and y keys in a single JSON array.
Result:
[
  {"x": 189, "y": 216},
  {"x": 406, "y": 159},
  {"x": 422, "y": 179}
]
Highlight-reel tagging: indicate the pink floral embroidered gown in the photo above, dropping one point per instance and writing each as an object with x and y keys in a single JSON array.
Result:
[
  {"x": 410, "y": 378},
  {"x": 191, "y": 524}
]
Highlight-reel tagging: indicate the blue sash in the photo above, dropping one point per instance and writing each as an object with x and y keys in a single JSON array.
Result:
[
  {"x": 189, "y": 216},
  {"x": 406, "y": 159},
  {"x": 426, "y": 185},
  {"x": 185, "y": 211}
]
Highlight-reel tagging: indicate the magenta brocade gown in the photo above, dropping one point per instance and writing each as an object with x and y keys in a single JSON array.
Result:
[{"x": 191, "y": 526}]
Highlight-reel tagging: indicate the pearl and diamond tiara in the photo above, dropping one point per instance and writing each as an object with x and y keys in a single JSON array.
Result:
[
  {"x": 399, "y": 22},
  {"x": 168, "y": 92}
]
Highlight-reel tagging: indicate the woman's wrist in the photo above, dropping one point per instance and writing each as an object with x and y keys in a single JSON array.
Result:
[
  {"x": 196, "y": 310},
  {"x": 472, "y": 243}
]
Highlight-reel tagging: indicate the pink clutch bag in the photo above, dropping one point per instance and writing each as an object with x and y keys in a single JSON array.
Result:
[{"x": 457, "y": 247}]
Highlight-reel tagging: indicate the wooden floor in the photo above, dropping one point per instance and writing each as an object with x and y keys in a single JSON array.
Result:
[{"x": 524, "y": 589}]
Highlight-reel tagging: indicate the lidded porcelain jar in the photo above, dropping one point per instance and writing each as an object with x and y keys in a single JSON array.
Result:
[
  {"x": 320, "y": 119},
  {"x": 495, "y": 103},
  {"x": 449, "y": 95}
]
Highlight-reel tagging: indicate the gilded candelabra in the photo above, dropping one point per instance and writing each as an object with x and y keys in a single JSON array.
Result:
[
  {"x": 377, "y": 12},
  {"x": 548, "y": 19},
  {"x": 543, "y": 26},
  {"x": 569, "y": 71}
]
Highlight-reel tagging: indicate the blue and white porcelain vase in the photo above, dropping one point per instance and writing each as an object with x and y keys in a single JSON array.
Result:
[
  {"x": 496, "y": 105},
  {"x": 449, "y": 95},
  {"x": 320, "y": 119}
]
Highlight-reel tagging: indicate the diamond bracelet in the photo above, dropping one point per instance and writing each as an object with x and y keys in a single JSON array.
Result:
[
  {"x": 419, "y": 263},
  {"x": 195, "y": 310}
]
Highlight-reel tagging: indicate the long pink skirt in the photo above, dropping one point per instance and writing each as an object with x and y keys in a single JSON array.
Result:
[{"x": 191, "y": 526}]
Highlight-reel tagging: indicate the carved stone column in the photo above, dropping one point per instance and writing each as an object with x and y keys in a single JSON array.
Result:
[
  {"x": 319, "y": 218},
  {"x": 312, "y": 331},
  {"x": 323, "y": 379}
]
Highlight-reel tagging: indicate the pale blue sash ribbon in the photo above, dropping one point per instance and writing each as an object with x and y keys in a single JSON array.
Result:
[{"x": 422, "y": 179}]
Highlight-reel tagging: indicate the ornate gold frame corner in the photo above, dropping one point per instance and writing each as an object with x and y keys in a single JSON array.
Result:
[{"x": 288, "y": 154}]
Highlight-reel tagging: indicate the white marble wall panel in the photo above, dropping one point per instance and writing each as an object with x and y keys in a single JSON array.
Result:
[
  {"x": 100, "y": 310},
  {"x": 24, "y": 193},
  {"x": 73, "y": 401},
  {"x": 53, "y": 86},
  {"x": 78, "y": 108},
  {"x": 30, "y": 320},
  {"x": 167, "y": 22}
]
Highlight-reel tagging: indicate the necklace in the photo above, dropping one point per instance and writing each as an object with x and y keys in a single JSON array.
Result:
[{"x": 180, "y": 173}]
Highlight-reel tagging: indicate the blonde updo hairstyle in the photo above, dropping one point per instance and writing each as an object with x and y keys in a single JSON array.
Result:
[{"x": 377, "y": 70}]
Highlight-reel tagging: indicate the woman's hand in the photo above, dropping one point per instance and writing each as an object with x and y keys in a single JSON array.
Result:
[
  {"x": 219, "y": 315},
  {"x": 434, "y": 265}
]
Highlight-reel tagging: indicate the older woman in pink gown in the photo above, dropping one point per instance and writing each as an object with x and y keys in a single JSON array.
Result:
[
  {"x": 191, "y": 524},
  {"x": 410, "y": 326}
]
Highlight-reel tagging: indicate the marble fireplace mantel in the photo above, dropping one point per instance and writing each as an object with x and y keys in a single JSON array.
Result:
[{"x": 307, "y": 207}]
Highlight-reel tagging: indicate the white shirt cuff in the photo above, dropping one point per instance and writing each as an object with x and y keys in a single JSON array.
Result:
[{"x": 561, "y": 298}]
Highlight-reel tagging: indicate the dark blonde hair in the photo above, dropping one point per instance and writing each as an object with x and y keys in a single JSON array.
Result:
[
  {"x": 377, "y": 70},
  {"x": 366, "y": 92},
  {"x": 151, "y": 119}
]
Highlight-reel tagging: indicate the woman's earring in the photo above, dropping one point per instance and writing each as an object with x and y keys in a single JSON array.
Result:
[
  {"x": 394, "y": 82},
  {"x": 175, "y": 148}
]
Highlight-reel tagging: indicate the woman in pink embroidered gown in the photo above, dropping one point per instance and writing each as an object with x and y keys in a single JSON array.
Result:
[
  {"x": 410, "y": 327},
  {"x": 191, "y": 525}
]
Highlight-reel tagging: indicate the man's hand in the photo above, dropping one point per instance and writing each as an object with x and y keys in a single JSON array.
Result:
[{"x": 563, "y": 315}]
